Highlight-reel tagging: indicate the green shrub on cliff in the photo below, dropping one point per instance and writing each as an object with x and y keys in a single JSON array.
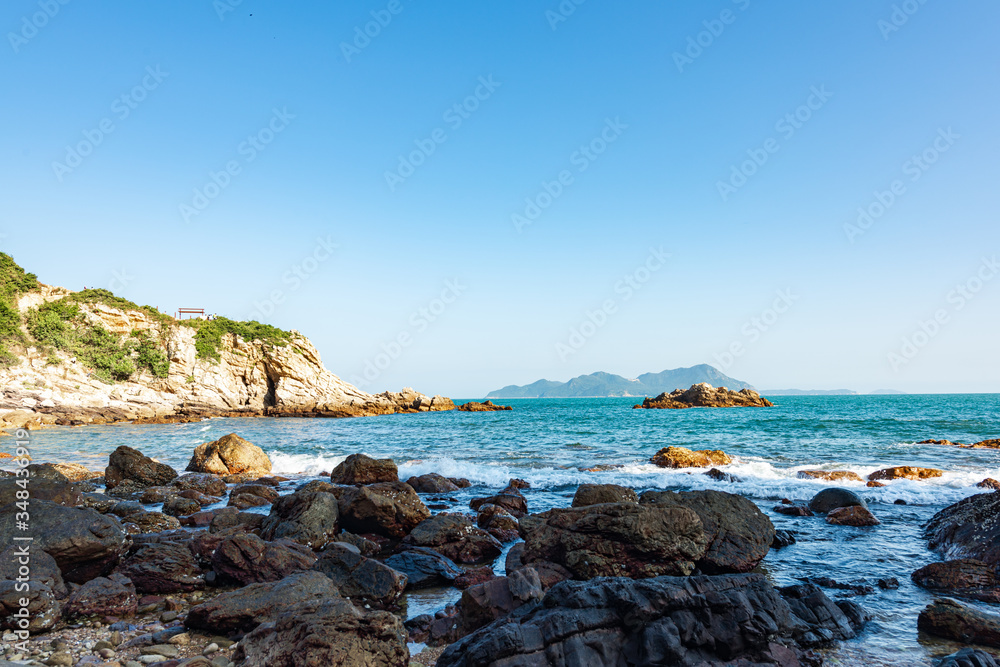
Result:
[
  {"x": 61, "y": 324},
  {"x": 210, "y": 332},
  {"x": 14, "y": 281}
]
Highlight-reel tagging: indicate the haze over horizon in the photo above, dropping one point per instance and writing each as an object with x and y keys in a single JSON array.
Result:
[{"x": 518, "y": 193}]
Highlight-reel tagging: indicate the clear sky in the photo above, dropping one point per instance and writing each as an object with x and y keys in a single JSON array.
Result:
[{"x": 527, "y": 190}]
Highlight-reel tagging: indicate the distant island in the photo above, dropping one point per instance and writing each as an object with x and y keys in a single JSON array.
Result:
[{"x": 604, "y": 385}]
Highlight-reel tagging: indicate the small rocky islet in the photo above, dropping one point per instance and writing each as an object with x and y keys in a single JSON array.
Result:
[{"x": 156, "y": 570}]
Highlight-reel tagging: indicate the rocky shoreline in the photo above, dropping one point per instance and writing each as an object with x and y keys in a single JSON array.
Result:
[{"x": 227, "y": 563}]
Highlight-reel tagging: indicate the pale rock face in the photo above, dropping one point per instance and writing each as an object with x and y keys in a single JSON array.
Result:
[{"x": 251, "y": 377}]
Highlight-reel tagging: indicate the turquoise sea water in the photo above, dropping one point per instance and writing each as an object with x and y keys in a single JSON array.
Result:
[{"x": 550, "y": 443}]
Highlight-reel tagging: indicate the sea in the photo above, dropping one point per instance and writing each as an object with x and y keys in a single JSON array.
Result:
[{"x": 557, "y": 444}]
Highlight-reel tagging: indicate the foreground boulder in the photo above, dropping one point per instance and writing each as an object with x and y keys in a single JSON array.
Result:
[
  {"x": 678, "y": 621},
  {"x": 358, "y": 577},
  {"x": 968, "y": 529},
  {"x": 127, "y": 464},
  {"x": 163, "y": 567},
  {"x": 245, "y": 558},
  {"x": 960, "y": 623},
  {"x": 682, "y": 457},
  {"x": 390, "y": 509},
  {"x": 620, "y": 539},
  {"x": 51, "y": 490},
  {"x": 595, "y": 494},
  {"x": 230, "y": 455},
  {"x": 904, "y": 472},
  {"x": 43, "y": 609},
  {"x": 454, "y": 536},
  {"x": 44, "y": 568},
  {"x": 424, "y": 568},
  {"x": 967, "y": 577},
  {"x": 432, "y": 483},
  {"x": 246, "y": 608},
  {"x": 103, "y": 596},
  {"x": 828, "y": 500},
  {"x": 327, "y": 632},
  {"x": 968, "y": 657},
  {"x": 739, "y": 534},
  {"x": 82, "y": 542},
  {"x": 306, "y": 517},
  {"x": 361, "y": 469},
  {"x": 852, "y": 516},
  {"x": 704, "y": 395},
  {"x": 484, "y": 603}
]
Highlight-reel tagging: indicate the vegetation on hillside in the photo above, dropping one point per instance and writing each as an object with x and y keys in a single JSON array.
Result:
[
  {"x": 62, "y": 325},
  {"x": 14, "y": 281}
]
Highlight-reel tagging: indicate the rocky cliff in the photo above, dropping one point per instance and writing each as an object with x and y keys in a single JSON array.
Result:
[{"x": 58, "y": 369}]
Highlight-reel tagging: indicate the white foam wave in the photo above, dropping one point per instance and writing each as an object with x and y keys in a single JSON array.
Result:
[{"x": 302, "y": 464}]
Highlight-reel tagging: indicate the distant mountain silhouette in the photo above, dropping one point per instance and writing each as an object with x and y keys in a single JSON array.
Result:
[{"x": 606, "y": 384}]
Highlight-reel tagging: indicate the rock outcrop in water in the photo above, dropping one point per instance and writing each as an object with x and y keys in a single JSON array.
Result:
[
  {"x": 982, "y": 444},
  {"x": 486, "y": 406},
  {"x": 682, "y": 457},
  {"x": 682, "y": 621},
  {"x": 704, "y": 395}
]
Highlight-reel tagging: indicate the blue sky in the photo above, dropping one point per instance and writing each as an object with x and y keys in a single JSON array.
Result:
[{"x": 258, "y": 167}]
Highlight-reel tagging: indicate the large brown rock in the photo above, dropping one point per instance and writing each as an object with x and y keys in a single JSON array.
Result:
[
  {"x": 739, "y": 534},
  {"x": 454, "y": 536},
  {"x": 358, "y": 577},
  {"x": 324, "y": 633},
  {"x": 230, "y": 455},
  {"x": 163, "y": 568},
  {"x": 424, "y": 568},
  {"x": 967, "y": 577},
  {"x": 830, "y": 499},
  {"x": 70, "y": 472},
  {"x": 484, "y": 603},
  {"x": 682, "y": 457},
  {"x": 83, "y": 543},
  {"x": 676, "y": 621},
  {"x": 830, "y": 475},
  {"x": 595, "y": 494},
  {"x": 485, "y": 406},
  {"x": 130, "y": 464},
  {"x": 904, "y": 472},
  {"x": 247, "y": 559},
  {"x": 205, "y": 483},
  {"x": 390, "y": 509},
  {"x": 246, "y": 608},
  {"x": 54, "y": 491},
  {"x": 306, "y": 517},
  {"x": 510, "y": 499},
  {"x": 619, "y": 539},
  {"x": 432, "y": 483},
  {"x": 960, "y": 623},
  {"x": 104, "y": 596},
  {"x": 704, "y": 395},
  {"x": 968, "y": 529},
  {"x": 362, "y": 469},
  {"x": 852, "y": 516}
]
